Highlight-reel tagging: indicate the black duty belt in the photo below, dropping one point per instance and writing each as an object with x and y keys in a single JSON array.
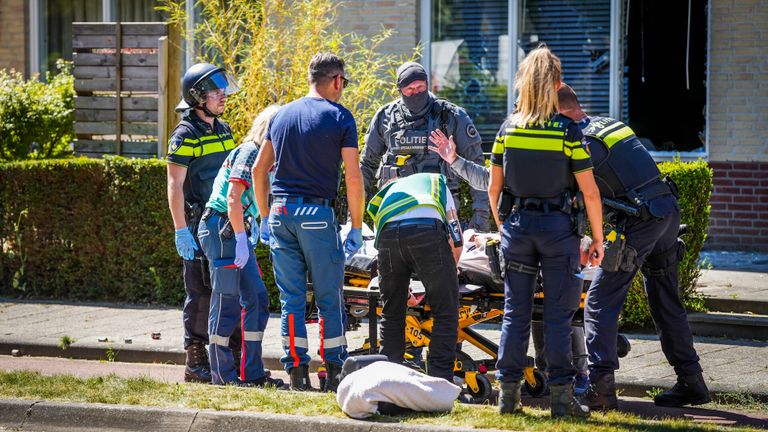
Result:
[
  {"x": 292, "y": 199},
  {"x": 538, "y": 204},
  {"x": 654, "y": 190},
  {"x": 208, "y": 212}
]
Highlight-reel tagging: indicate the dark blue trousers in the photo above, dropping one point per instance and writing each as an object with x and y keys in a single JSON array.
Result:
[
  {"x": 656, "y": 244},
  {"x": 538, "y": 239},
  {"x": 239, "y": 299}
]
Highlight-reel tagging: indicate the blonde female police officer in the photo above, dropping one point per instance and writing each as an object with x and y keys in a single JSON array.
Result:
[{"x": 537, "y": 161}]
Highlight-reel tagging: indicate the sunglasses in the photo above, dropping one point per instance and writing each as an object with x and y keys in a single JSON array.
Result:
[{"x": 344, "y": 80}]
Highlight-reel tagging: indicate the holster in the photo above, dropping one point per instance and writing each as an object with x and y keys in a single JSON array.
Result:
[
  {"x": 614, "y": 252},
  {"x": 505, "y": 205},
  {"x": 619, "y": 256},
  {"x": 579, "y": 215},
  {"x": 496, "y": 260}
]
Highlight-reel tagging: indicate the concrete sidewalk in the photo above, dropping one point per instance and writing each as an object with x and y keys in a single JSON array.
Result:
[{"x": 37, "y": 328}]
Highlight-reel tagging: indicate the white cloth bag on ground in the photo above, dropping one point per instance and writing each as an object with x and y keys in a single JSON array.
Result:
[{"x": 360, "y": 392}]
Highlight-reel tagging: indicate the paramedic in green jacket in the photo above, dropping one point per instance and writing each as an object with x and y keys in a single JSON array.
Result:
[{"x": 417, "y": 231}]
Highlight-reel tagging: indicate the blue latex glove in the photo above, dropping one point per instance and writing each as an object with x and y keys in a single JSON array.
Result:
[
  {"x": 241, "y": 249},
  {"x": 185, "y": 243},
  {"x": 354, "y": 242},
  {"x": 264, "y": 231}
]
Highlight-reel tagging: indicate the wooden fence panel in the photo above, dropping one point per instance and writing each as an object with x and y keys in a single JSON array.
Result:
[{"x": 122, "y": 62}]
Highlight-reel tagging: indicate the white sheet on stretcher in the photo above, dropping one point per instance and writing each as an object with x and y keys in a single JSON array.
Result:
[{"x": 473, "y": 257}]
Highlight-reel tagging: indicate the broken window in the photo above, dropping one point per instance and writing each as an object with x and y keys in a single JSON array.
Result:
[{"x": 665, "y": 69}]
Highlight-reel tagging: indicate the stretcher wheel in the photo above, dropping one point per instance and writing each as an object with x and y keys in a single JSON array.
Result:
[
  {"x": 540, "y": 387},
  {"x": 623, "y": 347},
  {"x": 484, "y": 389}
]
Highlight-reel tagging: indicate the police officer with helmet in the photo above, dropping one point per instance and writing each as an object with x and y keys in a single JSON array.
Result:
[
  {"x": 538, "y": 163},
  {"x": 197, "y": 148},
  {"x": 643, "y": 207},
  {"x": 396, "y": 144}
]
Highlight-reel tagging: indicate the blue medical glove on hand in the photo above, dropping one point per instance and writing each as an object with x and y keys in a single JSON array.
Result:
[
  {"x": 354, "y": 242},
  {"x": 241, "y": 249},
  {"x": 185, "y": 243},
  {"x": 264, "y": 231}
]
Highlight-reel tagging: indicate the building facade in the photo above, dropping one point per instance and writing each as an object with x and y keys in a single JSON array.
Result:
[{"x": 690, "y": 77}]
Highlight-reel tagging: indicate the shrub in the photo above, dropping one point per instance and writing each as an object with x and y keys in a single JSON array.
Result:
[
  {"x": 694, "y": 179},
  {"x": 37, "y": 117},
  {"x": 92, "y": 229}
]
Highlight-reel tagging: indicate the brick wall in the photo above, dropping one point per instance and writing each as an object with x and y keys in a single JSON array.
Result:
[
  {"x": 738, "y": 124},
  {"x": 739, "y": 215},
  {"x": 13, "y": 41},
  {"x": 366, "y": 17},
  {"x": 738, "y": 79}
]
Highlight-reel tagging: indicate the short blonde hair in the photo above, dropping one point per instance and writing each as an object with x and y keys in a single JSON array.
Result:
[
  {"x": 260, "y": 124},
  {"x": 536, "y": 85}
]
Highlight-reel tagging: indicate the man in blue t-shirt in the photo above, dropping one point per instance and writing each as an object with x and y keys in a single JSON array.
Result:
[{"x": 307, "y": 141}]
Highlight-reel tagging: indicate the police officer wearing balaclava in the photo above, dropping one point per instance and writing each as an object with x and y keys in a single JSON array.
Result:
[{"x": 397, "y": 142}]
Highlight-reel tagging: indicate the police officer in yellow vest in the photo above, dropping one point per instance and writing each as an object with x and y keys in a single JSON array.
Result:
[
  {"x": 643, "y": 208},
  {"x": 537, "y": 161},
  {"x": 197, "y": 147},
  {"x": 417, "y": 231}
]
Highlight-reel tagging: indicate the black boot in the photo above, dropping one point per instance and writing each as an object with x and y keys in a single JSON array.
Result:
[
  {"x": 197, "y": 367},
  {"x": 509, "y": 398},
  {"x": 300, "y": 378},
  {"x": 564, "y": 404},
  {"x": 266, "y": 381},
  {"x": 601, "y": 395},
  {"x": 689, "y": 390},
  {"x": 332, "y": 377}
]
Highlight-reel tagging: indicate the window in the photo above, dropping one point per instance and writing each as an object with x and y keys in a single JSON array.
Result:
[
  {"x": 641, "y": 61},
  {"x": 137, "y": 10},
  {"x": 665, "y": 65},
  {"x": 55, "y": 27},
  {"x": 469, "y": 66},
  {"x": 578, "y": 32}
]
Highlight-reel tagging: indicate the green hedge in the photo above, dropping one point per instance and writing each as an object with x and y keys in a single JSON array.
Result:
[
  {"x": 694, "y": 179},
  {"x": 88, "y": 229}
]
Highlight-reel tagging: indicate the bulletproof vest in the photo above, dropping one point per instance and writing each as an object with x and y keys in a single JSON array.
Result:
[
  {"x": 537, "y": 162},
  {"x": 621, "y": 162},
  {"x": 408, "y": 140},
  {"x": 214, "y": 146}
]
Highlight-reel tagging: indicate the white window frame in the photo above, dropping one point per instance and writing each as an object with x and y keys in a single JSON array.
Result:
[{"x": 615, "y": 78}]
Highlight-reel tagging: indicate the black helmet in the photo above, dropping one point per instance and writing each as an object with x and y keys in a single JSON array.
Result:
[{"x": 201, "y": 78}]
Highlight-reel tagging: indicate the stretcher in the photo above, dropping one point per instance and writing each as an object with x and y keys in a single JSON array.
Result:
[{"x": 481, "y": 300}]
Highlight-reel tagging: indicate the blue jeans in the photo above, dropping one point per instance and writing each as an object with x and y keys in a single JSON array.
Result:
[
  {"x": 538, "y": 239},
  {"x": 304, "y": 238},
  {"x": 238, "y": 295}
]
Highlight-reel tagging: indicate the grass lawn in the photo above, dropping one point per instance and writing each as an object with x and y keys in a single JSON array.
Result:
[{"x": 143, "y": 391}]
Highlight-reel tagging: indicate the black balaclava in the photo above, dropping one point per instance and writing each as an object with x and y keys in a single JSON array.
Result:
[{"x": 407, "y": 73}]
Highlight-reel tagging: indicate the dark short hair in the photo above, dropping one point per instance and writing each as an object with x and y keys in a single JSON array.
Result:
[
  {"x": 323, "y": 66},
  {"x": 566, "y": 98}
]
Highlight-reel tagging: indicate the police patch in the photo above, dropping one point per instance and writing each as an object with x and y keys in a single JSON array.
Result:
[
  {"x": 174, "y": 144},
  {"x": 471, "y": 131}
]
